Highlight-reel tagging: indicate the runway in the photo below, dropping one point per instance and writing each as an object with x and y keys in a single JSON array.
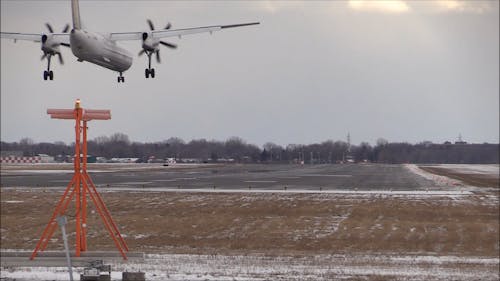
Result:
[{"x": 250, "y": 176}]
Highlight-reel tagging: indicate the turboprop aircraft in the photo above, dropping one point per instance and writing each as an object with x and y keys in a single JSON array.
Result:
[{"x": 102, "y": 49}]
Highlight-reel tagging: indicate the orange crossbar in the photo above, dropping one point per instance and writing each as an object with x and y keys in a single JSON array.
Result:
[
  {"x": 81, "y": 186},
  {"x": 96, "y": 116}
]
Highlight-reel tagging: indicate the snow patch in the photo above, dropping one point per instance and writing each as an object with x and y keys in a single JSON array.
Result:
[
  {"x": 437, "y": 179},
  {"x": 255, "y": 267}
]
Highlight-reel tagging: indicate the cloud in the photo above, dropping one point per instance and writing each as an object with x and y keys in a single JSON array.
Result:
[
  {"x": 386, "y": 6},
  {"x": 478, "y": 7},
  {"x": 425, "y": 7},
  {"x": 450, "y": 5},
  {"x": 276, "y": 6}
]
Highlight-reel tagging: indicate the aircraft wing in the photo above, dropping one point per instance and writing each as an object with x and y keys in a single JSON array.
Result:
[
  {"x": 121, "y": 36},
  {"x": 21, "y": 36},
  {"x": 61, "y": 37}
]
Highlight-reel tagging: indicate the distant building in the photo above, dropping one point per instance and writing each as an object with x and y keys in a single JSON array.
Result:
[
  {"x": 44, "y": 158},
  {"x": 124, "y": 160},
  {"x": 170, "y": 161}
]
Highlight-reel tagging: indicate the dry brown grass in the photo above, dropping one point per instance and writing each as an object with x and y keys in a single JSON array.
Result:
[
  {"x": 272, "y": 224},
  {"x": 472, "y": 179}
]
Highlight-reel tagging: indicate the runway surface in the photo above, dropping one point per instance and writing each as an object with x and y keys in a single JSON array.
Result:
[{"x": 250, "y": 176}]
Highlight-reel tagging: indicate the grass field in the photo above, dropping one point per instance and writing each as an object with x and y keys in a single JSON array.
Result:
[
  {"x": 207, "y": 223},
  {"x": 358, "y": 235}
]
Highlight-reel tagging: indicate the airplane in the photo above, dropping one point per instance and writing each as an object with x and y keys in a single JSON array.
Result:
[{"x": 102, "y": 49}]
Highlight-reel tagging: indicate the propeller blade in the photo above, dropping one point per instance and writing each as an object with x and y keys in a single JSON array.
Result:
[
  {"x": 66, "y": 28},
  {"x": 168, "y": 26},
  {"x": 43, "y": 56},
  {"x": 65, "y": 44},
  {"x": 61, "y": 61},
  {"x": 170, "y": 45},
  {"x": 151, "y": 26},
  {"x": 141, "y": 52},
  {"x": 49, "y": 27},
  {"x": 158, "y": 56}
]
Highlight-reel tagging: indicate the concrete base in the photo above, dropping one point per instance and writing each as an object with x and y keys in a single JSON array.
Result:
[{"x": 133, "y": 276}]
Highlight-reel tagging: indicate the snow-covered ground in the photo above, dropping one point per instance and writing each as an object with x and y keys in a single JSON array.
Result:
[
  {"x": 320, "y": 267},
  {"x": 492, "y": 169},
  {"x": 437, "y": 179}
]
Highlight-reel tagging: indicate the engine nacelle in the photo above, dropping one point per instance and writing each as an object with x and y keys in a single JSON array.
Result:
[
  {"x": 50, "y": 45},
  {"x": 149, "y": 43}
]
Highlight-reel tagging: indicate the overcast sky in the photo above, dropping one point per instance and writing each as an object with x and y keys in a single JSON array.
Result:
[{"x": 401, "y": 70}]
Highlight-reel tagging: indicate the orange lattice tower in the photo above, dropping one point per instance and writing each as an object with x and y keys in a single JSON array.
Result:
[{"x": 80, "y": 186}]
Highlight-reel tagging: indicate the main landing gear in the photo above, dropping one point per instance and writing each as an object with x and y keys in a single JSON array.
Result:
[
  {"x": 48, "y": 74},
  {"x": 149, "y": 71},
  {"x": 121, "y": 78}
]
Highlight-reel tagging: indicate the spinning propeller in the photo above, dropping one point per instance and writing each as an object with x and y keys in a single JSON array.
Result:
[{"x": 50, "y": 45}]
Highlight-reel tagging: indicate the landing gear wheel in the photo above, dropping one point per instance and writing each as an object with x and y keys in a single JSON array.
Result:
[
  {"x": 152, "y": 73},
  {"x": 51, "y": 75},
  {"x": 120, "y": 78},
  {"x": 45, "y": 75},
  {"x": 146, "y": 72}
]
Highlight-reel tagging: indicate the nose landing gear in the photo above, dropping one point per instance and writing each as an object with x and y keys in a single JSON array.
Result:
[
  {"x": 121, "y": 78},
  {"x": 150, "y": 72},
  {"x": 48, "y": 75}
]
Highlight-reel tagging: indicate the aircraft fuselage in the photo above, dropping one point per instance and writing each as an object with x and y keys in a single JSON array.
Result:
[{"x": 100, "y": 50}]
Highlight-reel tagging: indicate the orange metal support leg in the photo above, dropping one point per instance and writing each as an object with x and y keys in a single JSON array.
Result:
[
  {"x": 78, "y": 182},
  {"x": 60, "y": 208},
  {"x": 106, "y": 223},
  {"x": 53, "y": 226},
  {"x": 106, "y": 211},
  {"x": 83, "y": 243}
]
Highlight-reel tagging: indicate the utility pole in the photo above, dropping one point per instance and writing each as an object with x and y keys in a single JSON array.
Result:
[{"x": 61, "y": 221}]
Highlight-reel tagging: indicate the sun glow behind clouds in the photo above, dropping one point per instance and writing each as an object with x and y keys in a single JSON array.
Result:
[
  {"x": 389, "y": 6},
  {"x": 478, "y": 7},
  {"x": 450, "y": 4}
]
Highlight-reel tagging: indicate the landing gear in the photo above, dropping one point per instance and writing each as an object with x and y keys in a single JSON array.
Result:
[
  {"x": 121, "y": 78},
  {"x": 48, "y": 74},
  {"x": 149, "y": 71}
]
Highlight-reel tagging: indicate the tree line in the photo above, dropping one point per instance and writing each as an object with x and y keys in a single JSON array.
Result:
[{"x": 237, "y": 150}]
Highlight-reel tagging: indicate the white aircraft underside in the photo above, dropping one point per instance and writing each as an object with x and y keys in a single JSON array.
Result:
[
  {"x": 97, "y": 49},
  {"x": 102, "y": 49}
]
